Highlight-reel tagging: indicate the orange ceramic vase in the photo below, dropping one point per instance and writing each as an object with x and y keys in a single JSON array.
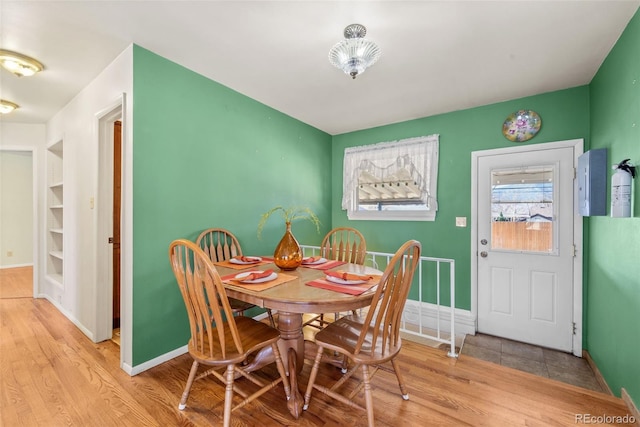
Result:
[{"x": 288, "y": 254}]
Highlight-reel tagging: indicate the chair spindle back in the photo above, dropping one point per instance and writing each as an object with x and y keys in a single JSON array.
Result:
[
  {"x": 205, "y": 299},
  {"x": 385, "y": 314},
  {"x": 344, "y": 244},
  {"x": 219, "y": 244}
]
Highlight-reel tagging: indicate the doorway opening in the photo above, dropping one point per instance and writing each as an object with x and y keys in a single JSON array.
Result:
[
  {"x": 527, "y": 272},
  {"x": 19, "y": 162},
  {"x": 115, "y": 238},
  {"x": 109, "y": 206}
]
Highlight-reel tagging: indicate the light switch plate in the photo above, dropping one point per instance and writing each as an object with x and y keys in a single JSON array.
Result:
[{"x": 461, "y": 221}]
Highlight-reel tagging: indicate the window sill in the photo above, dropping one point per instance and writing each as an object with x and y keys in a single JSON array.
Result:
[{"x": 392, "y": 216}]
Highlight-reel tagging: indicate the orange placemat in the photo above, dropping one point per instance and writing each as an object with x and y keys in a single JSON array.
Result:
[
  {"x": 282, "y": 278},
  {"x": 325, "y": 266},
  {"x": 228, "y": 264},
  {"x": 345, "y": 289}
]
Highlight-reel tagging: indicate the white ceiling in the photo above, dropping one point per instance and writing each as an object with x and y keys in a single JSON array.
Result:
[{"x": 437, "y": 56}]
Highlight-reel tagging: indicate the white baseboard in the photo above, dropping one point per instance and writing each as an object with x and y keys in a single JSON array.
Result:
[
  {"x": 135, "y": 370},
  {"x": 131, "y": 370},
  {"x": 264, "y": 315},
  {"x": 29, "y": 264},
  {"x": 69, "y": 316},
  {"x": 414, "y": 311}
]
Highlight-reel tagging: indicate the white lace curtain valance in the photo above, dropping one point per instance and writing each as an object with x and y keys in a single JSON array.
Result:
[{"x": 413, "y": 161}]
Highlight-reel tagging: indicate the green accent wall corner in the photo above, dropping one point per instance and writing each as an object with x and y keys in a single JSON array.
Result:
[
  {"x": 613, "y": 278},
  {"x": 204, "y": 156}
]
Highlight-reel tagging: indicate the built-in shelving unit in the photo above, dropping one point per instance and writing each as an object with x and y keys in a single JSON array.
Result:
[{"x": 55, "y": 214}]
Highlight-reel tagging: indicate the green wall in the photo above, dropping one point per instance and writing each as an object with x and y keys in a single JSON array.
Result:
[
  {"x": 613, "y": 259},
  {"x": 564, "y": 114},
  {"x": 206, "y": 156}
]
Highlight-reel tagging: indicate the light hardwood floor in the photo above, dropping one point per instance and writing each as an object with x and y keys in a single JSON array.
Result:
[
  {"x": 16, "y": 282},
  {"x": 52, "y": 375}
]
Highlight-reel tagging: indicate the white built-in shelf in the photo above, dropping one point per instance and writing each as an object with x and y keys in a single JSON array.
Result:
[
  {"x": 54, "y": 267},
  {"x": 56, "y": 147},
  {"x": 55, "y": 278}
]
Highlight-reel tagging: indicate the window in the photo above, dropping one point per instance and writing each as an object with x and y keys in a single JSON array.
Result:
[
  {"x": 522, "y": 209},
  {"x": 392, "y": 180}
]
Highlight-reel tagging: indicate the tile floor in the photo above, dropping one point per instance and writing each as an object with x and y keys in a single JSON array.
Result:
[{"x": 540, "y": 361}]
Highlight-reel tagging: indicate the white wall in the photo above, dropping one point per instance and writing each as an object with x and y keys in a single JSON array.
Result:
[
  {"x": 77, "y": 126},
  {"x": 23, "y": 140}
]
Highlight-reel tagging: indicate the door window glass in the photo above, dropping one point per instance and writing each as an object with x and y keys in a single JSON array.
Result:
[{"x": 522, "y": 209}]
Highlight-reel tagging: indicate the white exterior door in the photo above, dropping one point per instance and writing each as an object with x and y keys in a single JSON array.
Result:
[{"x": 525, "y": 245}]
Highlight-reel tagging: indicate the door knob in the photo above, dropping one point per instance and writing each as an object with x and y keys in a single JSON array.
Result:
[{"x": 483, "y": 254}]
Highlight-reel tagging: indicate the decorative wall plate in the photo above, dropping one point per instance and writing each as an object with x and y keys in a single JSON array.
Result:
[{"x": 521, "y": 125}]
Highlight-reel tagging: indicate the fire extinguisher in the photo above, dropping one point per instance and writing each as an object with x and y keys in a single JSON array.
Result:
[{"x": 621, "y": 189}]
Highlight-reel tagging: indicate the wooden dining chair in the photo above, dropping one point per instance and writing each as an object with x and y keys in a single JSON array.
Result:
[
  {"x": 373, "y": 340},
  {"x": 219, "y": 339},
  {"x": 343, "y": 244},
  {"x": 220, "y": 245}
]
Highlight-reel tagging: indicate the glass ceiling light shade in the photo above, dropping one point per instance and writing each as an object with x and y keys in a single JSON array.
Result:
[
  {"x": 18, "y": 64},
  {"x": 6, "y": 107},
  {"x": 354, "y": 54}
]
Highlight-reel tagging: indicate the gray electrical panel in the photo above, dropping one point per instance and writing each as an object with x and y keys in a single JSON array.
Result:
[{"x": 592, "y": 182}]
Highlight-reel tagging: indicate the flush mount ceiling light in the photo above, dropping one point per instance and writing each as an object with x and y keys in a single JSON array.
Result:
[
  {"x": 355, "y": 53},
  {"x": 18, "y": 64},
  {"x": 6, "y": 107}
]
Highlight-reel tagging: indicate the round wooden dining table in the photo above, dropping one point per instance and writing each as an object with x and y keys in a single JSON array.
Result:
[{"x": 292, "y": 299}]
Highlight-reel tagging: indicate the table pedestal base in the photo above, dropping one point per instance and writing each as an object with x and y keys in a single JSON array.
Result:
[
  {"x": 293, "y": 349},
  {"x": 296, "y": 401}
]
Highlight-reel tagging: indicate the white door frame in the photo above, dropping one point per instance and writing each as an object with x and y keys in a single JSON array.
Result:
[
  {"x": 34, "y": 195},
  {"x": 103, "y": 217},
  {"x": 578, "y": 149}
]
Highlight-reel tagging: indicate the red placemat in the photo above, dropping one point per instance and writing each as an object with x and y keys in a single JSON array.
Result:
[{"x": 345, "y": 289}]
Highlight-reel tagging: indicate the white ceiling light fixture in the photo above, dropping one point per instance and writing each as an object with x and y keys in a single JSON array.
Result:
[
  {"x": 354, "y": 54},
  {"x": 6, "y": 106},
  {"x": 18, "y": 64}
]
